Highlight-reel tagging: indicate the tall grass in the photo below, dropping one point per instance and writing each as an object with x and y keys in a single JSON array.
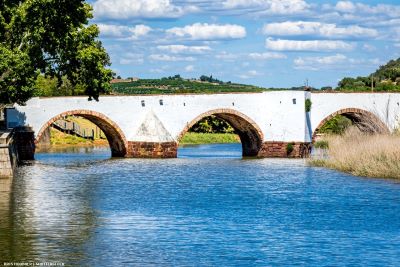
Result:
[{"x": 362, "y": 154}]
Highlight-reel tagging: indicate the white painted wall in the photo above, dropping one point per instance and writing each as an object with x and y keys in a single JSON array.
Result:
[{"x": 274, "y": 112}]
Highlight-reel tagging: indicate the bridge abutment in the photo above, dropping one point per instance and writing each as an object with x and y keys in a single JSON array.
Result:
[
  {"x": 276, "y": 149},
  {"x": 25, "y": 142},
  {"x": 152, "y": 150}
]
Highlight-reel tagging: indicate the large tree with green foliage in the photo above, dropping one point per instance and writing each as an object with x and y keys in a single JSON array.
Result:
[{"x": 51, "y": 38}]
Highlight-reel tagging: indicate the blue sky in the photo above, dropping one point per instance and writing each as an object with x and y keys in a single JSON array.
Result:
[{"x": 269, "y": 43}]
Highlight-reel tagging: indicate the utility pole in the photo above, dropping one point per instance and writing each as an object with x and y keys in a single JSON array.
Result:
[{"x": 372, "y": 83}]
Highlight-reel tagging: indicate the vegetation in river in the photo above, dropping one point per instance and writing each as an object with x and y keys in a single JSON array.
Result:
[{"x": 362, "y": 154}]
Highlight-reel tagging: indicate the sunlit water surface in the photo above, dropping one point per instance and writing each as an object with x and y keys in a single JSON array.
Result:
[{"x": 209, "y": 207}]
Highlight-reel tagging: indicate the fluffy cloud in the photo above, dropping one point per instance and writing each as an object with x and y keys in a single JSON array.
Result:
[
  {"x": 131, "y": 59},
  {"x": 315, "y": 45},
  {"x": 178, "y": 49},
  {"x": 314, "y": 63},
  {"x": 128, "y": 9},
  {"x": 279, "y": 7},
  {"x": 360, "y": 8},
  {"x": 205, "y": 31},
  {"x": 266, "y": 56},
  {"x": 250, "y": 74},
  {"x": 318, "y": 29},
  {"x": 189, "y": 68},
  {"x": 158, "y": 57},
  {"x": 123, "y": 32},
  {"x": 226, "y": 56},
  {"x": 331, "y": 62}
]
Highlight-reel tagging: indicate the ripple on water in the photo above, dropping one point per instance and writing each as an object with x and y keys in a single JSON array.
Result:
[{"x": 216, "y": 209}]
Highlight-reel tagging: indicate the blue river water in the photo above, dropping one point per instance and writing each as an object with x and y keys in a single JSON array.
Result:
[{"x": 209, "y": 207}]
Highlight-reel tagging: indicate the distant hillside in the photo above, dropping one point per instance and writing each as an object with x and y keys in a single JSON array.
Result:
[
  {"x": 176, "y": 84},
  {"x": 386, "y": 78}
]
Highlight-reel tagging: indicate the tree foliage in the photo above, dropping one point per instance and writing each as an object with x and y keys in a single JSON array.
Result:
[
  {"x": 336, "y": 125},
  {"x": 52, "y": 38},
  {"x": 386, "y": 78},
  {"x": 212, "y": 124}
]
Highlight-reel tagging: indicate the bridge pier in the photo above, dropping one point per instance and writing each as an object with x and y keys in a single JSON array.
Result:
[
  {"x": 276, "y": 149},
  {"x": 152, "y": 150}
]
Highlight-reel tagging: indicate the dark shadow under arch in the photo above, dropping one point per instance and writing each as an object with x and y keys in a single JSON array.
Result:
[
  {"x": 114, "y": 134},
  {"x": 250, "y": 134},
  {"x": 366, "y": 121}
]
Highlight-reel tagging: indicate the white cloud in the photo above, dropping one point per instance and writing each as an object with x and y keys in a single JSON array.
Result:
[
  {"x": 178, "y": 49},
  {"x": 131, "y": 59},
  {"x": 205, "y": 31},
  {"x": 128, "y": 9},
  {"x": 226, "y": 56},
  {"x": 158, "y": 57},
  {"x": 369, "y": 48},
  {"x": 314, "y": 45},
  {"x": 189, "y": 68},
  {"x": 292, "y": 28},
  {"x": 250, "y": 74},
  {"x": 267, "y": 55},
  {"x": 123, "y": 32},
  {"x": 279, "y": 7},
  {"x": 345, "y": 6},
  {"x": 360, "y": 8},
  {"x": 314, "y": 63},
  {"x": 331, "y": 62}
]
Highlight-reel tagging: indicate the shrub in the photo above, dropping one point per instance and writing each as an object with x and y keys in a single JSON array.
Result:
[
  {"x": 308, "y": 105},
  {"x": 289, "y": 148},
  {"x": 323, "y": 144}
]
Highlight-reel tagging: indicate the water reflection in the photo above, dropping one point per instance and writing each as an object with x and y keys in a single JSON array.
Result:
[{"x": 86, "y": 209}]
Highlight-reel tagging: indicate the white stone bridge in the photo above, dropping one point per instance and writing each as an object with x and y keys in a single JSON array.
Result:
[{"x": 152, "y": 126}]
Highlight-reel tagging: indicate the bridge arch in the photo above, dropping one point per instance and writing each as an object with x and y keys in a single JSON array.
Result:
[
  {"x": 114, "y": 134},
  {"x": 366, "y": 121},
  {"x": 249, "y": 132}
]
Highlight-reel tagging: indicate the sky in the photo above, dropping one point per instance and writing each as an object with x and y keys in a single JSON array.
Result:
[{"x": 268, "y": 43}]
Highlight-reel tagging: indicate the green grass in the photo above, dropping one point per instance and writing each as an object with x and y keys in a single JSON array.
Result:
[
  {"x": 59, "y": 138},
  {"x": 62, "y": 139},
  {"x": 209, "y": 138}
]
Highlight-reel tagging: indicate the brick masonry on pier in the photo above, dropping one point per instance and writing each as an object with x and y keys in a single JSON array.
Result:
[
  {"x": 285, "y": 150},
  {"x": 152, "y": 150}
]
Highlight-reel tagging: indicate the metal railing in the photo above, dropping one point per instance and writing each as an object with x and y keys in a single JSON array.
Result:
[{"x": 73, "y": 128}]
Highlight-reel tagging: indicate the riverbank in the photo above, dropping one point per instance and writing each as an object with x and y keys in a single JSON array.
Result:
[
  {"x": 209, "y": 138},
  {"x": 361, "y": 154},
  {"x": 60, "y": 139}
]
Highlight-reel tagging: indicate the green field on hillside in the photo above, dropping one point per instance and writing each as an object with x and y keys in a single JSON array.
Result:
[{"x": 181, "y": 86}]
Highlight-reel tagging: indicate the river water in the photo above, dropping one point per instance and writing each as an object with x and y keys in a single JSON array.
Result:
[{"x": 209, "y": 207}]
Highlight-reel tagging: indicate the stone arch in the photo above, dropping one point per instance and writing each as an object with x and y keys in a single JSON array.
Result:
[
  {"x": 249, "y": 132},
  {"x": 113, "y": 132},
  {"x": 366, "y": 121}
]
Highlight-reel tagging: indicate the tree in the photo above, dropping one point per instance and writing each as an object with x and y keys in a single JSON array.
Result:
[{"x": 52, "y": 38}]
